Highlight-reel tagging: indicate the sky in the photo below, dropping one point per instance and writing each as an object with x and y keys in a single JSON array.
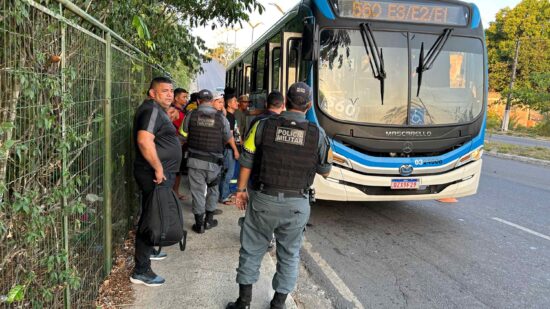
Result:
[{"x": 243, "y": 36}]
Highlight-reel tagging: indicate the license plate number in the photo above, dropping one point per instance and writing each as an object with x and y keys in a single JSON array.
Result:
[{"x": 404, "y": 184}]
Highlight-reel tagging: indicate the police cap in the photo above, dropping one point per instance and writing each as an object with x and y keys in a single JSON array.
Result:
[
  {"x": 205, "y": 95},
  {"x": 299, "y": 93}
]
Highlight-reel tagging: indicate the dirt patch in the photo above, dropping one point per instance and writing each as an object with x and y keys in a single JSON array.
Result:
[{"x": 116, "y": 290}]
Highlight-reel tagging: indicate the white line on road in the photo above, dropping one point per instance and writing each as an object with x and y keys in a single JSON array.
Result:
[
  {"x": 332, "y": 276},
  {"x": 522, "y": 228}
]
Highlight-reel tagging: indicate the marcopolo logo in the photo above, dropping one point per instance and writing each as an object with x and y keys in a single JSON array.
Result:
[{"x": 409, "y": 133}]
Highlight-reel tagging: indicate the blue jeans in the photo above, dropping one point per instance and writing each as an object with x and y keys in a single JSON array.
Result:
[{"x": 229, "y": 166}]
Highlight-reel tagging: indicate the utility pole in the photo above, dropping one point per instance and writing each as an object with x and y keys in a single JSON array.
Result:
[{"x": 506, "y": 119}]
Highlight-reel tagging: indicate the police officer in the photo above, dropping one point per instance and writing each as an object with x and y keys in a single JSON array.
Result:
[
  {"x": 282, "y": 154},
  {"x": 206, "y": 131}
]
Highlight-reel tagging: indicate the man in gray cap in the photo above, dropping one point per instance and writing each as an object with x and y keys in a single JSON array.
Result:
[
  {"x": 281, "y": 156},
  {"x": 206, "y": 131}
]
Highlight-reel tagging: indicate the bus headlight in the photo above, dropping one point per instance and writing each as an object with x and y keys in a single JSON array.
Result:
[
  {"x": 341, "y": 160},
  {"x": 471, "y": 156}
]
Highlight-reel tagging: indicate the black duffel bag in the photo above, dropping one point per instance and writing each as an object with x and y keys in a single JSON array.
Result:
[{"x": 161, "y": 221}]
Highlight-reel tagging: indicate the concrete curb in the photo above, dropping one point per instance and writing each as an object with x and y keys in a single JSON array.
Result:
[{"x": 518, "y": 158}]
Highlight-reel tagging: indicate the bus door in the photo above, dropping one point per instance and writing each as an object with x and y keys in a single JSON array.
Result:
[
  {"x": 292, "y": 49},
  {"x": 274, "y": 67}
]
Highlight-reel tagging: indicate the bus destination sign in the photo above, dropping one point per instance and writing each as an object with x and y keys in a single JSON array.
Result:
[{"x": 411, "y": 12}]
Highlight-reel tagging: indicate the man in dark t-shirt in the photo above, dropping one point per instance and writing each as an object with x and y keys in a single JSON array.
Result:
[
  {"x": 158, "y": 158},
  {"x": 231, "y": 105}
]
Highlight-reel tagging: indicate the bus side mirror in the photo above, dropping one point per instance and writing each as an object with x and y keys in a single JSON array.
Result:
[{"x": 309, "y": 40}]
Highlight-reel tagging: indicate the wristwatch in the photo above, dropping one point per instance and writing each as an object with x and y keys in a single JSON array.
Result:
[{"x": 241, "y": 190}]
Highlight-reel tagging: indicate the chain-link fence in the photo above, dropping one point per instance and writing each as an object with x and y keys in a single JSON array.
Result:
[{"x": 67, "y": 98}]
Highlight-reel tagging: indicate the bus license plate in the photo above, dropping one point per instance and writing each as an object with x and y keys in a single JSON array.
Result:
[{"x": 400, "y": 184}]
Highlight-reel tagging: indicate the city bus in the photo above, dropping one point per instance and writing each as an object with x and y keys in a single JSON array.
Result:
[{"x": 400, "y": 88}]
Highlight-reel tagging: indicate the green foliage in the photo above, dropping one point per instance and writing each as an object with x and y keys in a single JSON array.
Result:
[
  {"x": 181, "y": 74},
  {"x": 493, "y": 120},
  {"x": 537, "y": 93},
  {"x": 16, "y": 294},
  {"x": 527, "y": 22},
  {"x": 543, "y": 128},
  {"x": 52, "y": 133},
  {"x": 163, "y": 28}
]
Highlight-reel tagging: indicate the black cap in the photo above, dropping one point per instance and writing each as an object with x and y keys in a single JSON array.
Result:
[
  {"x": 299, "y": 92},
  {"x": 205, "y": 94}
]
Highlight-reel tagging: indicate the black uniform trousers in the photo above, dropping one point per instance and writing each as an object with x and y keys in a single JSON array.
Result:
[{"x": 144, "y": 179}]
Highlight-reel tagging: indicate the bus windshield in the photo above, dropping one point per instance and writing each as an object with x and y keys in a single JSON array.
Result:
[{"x": 451, "y": 91}]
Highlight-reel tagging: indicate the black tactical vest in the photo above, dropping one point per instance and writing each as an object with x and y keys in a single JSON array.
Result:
[
  {"x": 289, "y": 154},
  {"x": 206, "y": 131}
]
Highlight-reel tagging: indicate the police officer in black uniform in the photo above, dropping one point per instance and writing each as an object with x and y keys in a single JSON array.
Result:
[
  {"x": 206, "y": 131},
  {"x": 282, "y": 154}
]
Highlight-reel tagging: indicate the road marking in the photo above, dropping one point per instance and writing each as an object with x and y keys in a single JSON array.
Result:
[
  {"x": 332, "y": 276},
  {"x": 522, "y": 228}
]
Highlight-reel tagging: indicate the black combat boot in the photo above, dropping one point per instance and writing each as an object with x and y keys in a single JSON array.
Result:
[
  {"x": 278, "y": 301},
  {"x": 245, "y": 297},
  {"x": 210, "y": 222},
  {"x": 199, "y": 224}
]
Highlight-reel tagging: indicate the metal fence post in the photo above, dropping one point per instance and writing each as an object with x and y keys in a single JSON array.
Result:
[
  {"x": 108, "y": 162},
  {"x": 67, "y": 291}
]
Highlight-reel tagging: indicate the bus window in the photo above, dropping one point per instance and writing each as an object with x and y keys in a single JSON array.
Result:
[
  {"x": 234, "y": 80},
  {"x": 247, "y": 75},
  {"x": 293, "y": 62},
  {"x": 240, "y": 81},
  {"x": 259, "y": 70},
  {"x": 276, "y": 68}
]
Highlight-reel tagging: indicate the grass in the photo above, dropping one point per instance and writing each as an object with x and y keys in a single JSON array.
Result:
[
  {"x": 518, "y": 134},
  {"x": 541, "y": 153}
]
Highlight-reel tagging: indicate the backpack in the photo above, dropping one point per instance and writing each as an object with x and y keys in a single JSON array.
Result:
[{"x": 161, "y": 222}]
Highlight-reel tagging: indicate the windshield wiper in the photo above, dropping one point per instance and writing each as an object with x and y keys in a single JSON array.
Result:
[
  {"x": 376, "y": 58},
  {"x": 424, "y": 64}
]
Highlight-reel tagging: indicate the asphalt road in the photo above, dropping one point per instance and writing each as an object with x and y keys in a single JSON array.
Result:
[
  {"x": 482, "y": 252},
  {"x": 516, "y": 140}
]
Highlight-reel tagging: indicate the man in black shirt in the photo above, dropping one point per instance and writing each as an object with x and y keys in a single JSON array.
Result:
[
  {"x": 231, "y": 106},
  {"x": 158, "y": 157}
]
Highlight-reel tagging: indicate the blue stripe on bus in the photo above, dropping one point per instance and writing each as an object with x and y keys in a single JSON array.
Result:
[
  {"x": 324, "y": 7},
  {"x": 476, "y": 17},
  {"x": 386, "y": 162}
]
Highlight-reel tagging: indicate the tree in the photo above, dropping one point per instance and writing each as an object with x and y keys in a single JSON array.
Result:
[
  {"x": 224, "y": 53},
  {"x": 528, "y": 22},
  {"x": 162, "y": 28},
  {"x": 538, "y": 96}
]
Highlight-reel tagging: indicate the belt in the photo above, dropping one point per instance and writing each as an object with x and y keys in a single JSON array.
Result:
[
  {"x": 273, "y": 191},
  {"x": 206, "y": 158}
]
